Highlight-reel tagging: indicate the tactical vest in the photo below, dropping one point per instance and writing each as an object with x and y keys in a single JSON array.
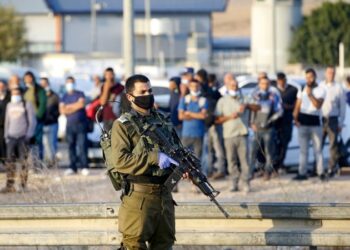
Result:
[{"x": 133, "y": 123}]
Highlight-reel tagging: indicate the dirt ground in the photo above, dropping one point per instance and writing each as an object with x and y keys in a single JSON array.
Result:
[{"x": 50, "y": 185}]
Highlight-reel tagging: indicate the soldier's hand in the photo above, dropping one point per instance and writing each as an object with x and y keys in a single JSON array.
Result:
[
  {"x": 186, "y": 176},
  {"x": 164, "y": 161}
]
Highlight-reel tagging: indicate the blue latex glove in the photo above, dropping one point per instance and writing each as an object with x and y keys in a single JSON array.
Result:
[{"x": 165, "y": 161}]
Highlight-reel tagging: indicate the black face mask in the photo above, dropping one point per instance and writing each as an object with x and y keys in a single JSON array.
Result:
[{"x": 144, "y": 101}]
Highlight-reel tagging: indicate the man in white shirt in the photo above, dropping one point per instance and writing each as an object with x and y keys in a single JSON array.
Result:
[
  {"x": 333, "y": 116},
  {"x": 307, "y": 117}
]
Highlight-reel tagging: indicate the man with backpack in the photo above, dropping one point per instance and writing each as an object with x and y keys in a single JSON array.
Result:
[
  {"x": 20, "y": 124},
  {"x": 146, "y": 217}
]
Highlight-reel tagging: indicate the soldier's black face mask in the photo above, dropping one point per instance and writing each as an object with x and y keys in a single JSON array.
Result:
[{"x": 144, "y": 101}]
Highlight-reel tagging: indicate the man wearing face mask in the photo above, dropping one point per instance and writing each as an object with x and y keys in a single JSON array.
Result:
[
  {"x": 192, "y": 112},
  {"x": 186, "y": 77},
  {"x": 20, "y": 124},
  {"x": 230, "y": 112},
  {"x": 146, "y": 216},
  {"x": 50, "y": 122},
  {"x": 72, "y": 106},
  {"x": 269, "y": 110},
  {"x": 36, "y": 95}
]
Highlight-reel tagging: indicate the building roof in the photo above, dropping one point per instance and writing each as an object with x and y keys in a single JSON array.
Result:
[
  {"x": 157, "y": 6},
  {"x": 26, "y": 7},
  {"x": 231, "y": 43}
]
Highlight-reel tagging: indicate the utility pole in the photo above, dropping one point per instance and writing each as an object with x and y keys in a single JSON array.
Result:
[
  {"x": 149, "y": 51},
  {"x": 93, "y": 25},
  {"x": 128, "y": 37},
  {"x": 273, "y": 37}
]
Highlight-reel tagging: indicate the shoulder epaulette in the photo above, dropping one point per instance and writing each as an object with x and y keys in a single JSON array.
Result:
[{"x": 123, "y": 118}]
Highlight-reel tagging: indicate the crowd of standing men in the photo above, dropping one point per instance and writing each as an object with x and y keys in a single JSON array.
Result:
[
  {"x": 199, "y": 107},
  {"x": 29, "y": 115}
]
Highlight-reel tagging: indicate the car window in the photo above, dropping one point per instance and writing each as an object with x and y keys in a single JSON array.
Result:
[
  {"x": 160, "y": 90},
  {"x": 249, "y": 85}
]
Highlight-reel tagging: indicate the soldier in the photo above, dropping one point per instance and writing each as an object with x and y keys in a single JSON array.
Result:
[{"x": 147, "y": 210}]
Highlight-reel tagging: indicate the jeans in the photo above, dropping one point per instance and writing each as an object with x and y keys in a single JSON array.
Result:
[
  {"x": 236, "y": 149},
  {"x": 284, "y": 135},
  {"x": 195, "y": 144},
  {"x": 330, "y": 129},
  {"x": 17, "y": 150},
  {"x": 38, "y": 138},
  {"x": 50, "y": 141},
  {"x": 307, "y": 133},
  {"x": 216, "y": 152},
  {"x": 77, "y": 145},
  {"x": 262, "y": 141}
]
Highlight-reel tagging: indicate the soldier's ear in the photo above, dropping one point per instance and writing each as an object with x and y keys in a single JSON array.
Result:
[{"x": 130, "y": 97}]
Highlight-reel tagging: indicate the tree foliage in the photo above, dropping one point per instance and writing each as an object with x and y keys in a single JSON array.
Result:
[
  {"x": 12, "y": 32},
  {"x": 317, "y": 39}
]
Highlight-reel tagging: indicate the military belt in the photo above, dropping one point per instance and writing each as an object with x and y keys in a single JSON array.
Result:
[
  {"x": 141, "y": 179},
  {"x": 148, "y": 188}
]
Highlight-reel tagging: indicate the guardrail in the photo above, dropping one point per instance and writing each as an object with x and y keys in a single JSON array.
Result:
[{"x": 251, "y": 224}]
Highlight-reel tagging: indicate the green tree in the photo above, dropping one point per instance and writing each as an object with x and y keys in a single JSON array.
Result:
[
  {"x": 12, "y": 32},
  {"x": 317, "y": 39}
]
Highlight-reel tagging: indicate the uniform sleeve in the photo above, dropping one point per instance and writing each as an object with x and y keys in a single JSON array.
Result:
[
  {"x": 181, "y": 104},
  {"x": 42, "y": 104},
  {"x": 127, "y": 159}
]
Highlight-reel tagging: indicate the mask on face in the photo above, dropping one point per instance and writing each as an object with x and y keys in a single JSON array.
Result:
[
  {"x": 214, "y": 88},
  {"x": 233, "y": 93},
  {"x": 16, "y": 98},
  {"x": 69, "y": 87},
  {"x": 185, "y": 81},
  {"x": 47, "y": 89},
  {"x": 144, "y": 101},
  {"x": 195, "y": 93}
]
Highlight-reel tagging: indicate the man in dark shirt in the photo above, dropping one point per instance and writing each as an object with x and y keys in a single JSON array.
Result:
[
  {"x": 72, "y": 106},
  {"x": 5, "y": 98},
  {"x": 50, "y": 122},
  {"x": 174, "y": 87},
  {"x": 284, "y": 125}
]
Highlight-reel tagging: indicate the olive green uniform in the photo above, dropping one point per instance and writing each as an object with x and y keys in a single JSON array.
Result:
[{"x": 147, "y": 210}]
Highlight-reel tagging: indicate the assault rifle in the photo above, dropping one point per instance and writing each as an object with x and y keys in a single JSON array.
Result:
[{"x": 188, "y": 163}]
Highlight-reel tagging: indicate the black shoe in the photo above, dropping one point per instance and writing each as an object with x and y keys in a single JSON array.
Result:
[
  {"x": 234, "y": 189},
  {"x": 300, "y": 177},
  {"x": 312, "y": 173},
  {"x": 323, "y": 177}
]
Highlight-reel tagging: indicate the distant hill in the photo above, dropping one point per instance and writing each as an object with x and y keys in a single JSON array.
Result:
[{"x": 236, "y": 20}]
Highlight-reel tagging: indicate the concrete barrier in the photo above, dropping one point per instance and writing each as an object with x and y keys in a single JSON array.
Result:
[{"x": 250, "y": 224}]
